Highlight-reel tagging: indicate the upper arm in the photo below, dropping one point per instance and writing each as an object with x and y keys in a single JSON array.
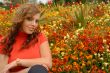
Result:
[
  {"x": 44, "y": 48},
  {"x": 46, "y": 53}
]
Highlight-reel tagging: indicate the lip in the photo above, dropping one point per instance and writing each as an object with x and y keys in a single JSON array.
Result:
[
  {"x": 31, "y": 30},
  {"x": 31, "y": 27}
]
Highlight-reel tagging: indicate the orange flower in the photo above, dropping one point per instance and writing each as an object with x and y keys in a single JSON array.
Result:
[
  {"x": 54, "y": 69},
  {"x": 76, "y": 66},
  {"x": 56, "y": 50},
  {"x": 81, "y": 45},
  {"x": 68, "y": 67},
  {"x": 89, "y": 56},
  {"x": 74, "y": 57},
  {"x": 81, "y": 54},
  {"x": 59, "y": 69},
  {"x": 83, "y": 64},
  {"x": 65, "y": 58}
]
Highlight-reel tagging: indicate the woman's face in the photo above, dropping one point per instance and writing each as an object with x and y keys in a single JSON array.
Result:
[{"x": 30, "y": 24}]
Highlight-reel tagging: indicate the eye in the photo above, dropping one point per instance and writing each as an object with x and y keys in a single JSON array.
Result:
[
  {"x": 29, "y": 18},
  {"x": 36, "y": 21}
]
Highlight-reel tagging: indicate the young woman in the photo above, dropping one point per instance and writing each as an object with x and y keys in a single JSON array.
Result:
[{"x": 26, "y": 47}]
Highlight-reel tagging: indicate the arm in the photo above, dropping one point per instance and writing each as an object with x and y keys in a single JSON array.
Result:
[
  {"x": 45, "y": 59},
  {"x": 3, "y": 61}
]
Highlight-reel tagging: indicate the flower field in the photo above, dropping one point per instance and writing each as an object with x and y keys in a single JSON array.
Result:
[{"x": 78, "y": 34}]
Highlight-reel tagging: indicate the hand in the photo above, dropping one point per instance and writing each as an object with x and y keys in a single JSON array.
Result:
[
  {"x": 4, "y": 71},
  {"x": 9, "y": 66}
]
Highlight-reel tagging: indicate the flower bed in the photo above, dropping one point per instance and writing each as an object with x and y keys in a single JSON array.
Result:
[{"x": 79, "y": 36}]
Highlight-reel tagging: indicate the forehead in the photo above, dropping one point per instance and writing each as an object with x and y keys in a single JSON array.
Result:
[{"x": 36, "y": 16}]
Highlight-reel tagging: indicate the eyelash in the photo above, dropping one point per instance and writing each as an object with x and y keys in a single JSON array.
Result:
[
  {"x": 36, "y": 21},
  {"x": 30, "y": 19}
]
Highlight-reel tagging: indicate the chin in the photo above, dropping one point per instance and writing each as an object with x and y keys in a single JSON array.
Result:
[{"x": 29, "y": 32}]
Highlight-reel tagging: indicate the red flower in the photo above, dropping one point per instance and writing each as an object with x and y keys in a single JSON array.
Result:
[
  {"x": 17, "y": 5},
  {"x": 50, "y": 2}
]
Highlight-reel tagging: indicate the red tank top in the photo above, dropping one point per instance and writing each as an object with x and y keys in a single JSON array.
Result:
[{"x": 28, "y": 53}]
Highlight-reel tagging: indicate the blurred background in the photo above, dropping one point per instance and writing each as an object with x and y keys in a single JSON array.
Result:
[{"x": 7, "y": 3}]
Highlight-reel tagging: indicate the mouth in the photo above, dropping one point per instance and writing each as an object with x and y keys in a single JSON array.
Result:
[{"x": 31, "y": 28}]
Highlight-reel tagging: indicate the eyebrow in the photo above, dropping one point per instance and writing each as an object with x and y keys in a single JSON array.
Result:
[{"x": 37, "y": 19}]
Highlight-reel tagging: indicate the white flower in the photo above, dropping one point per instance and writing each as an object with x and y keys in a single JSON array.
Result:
[
  {"x": 74, "y": 36},
  {"x": 68, "y": 35},
  {"x": 101, "y": 58},
  {"x": 98, "y": 54},
  {"x": 60, "y": 24},
  {"x": 42, "y": 1},
  {"x": 106, "y": 20},
  {"x": 51, "y": 44},
  {"x": 107, "y": 50},
  {"x": 64, "y": 37},
  {"x": 109, "y": 54},
  {"x": 79, "y": 24},
  {"x": 107, "y": 46},
  {"x": 102, "y": 67},
  {"x": 62, "y": 53},
  {"x": 79, "y": 30},
  {"x": 104, "y": 40},
  {"x": 105, "y": 63},
  {"x": 95, "y": 54}
]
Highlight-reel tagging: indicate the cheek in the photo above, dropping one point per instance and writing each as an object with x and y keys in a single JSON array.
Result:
[
  {"x": 36, "y": 24},
  {"x": 26, "y": 23},
  {"x": 24, "y": 26}
]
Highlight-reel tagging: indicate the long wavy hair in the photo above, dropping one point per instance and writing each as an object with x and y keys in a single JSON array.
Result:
[{"x": 21, "y": 13}]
